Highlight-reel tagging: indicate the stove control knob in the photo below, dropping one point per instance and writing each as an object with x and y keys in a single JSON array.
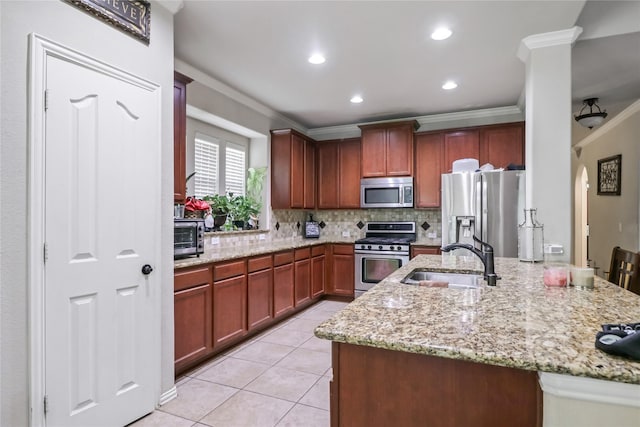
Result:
[
  {"x": 369, "y": 247},
  {"x": 380, "y": 247},
  {"x": 399, "y": 248},
  {"x": 391, "y": 248},
  {"x": 361, "y": 246}
]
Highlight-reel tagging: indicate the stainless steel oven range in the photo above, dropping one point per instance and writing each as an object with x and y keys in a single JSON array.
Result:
[{"x": 384, "y": 249}]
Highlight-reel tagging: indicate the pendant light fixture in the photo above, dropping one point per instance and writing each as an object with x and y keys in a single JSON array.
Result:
[{"x": 591, "y": 118}]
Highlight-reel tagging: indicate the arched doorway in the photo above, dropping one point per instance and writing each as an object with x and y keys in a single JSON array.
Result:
[{"x": 581, "y": 224}]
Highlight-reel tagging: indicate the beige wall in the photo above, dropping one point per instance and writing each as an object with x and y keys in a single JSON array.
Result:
[
  {"x": 613, "y": 220},
  {"x": 74, "y": 28}
]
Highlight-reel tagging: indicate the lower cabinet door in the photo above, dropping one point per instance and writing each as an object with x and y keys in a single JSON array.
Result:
[
  {"x": 192, "y": 319},
  {"x": 302, "y": 281},
  {"x": 229, "y": 310},
  {"x": 282, "y": 289},
  {"x": 260, "y": 298},
  {"x": 318, "y": 266}
]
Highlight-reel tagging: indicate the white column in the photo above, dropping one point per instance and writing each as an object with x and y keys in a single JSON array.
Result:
[{"x": 548, "y": 131}]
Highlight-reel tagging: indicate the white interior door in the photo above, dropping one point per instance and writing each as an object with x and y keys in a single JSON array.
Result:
[{"x": 102, "y": 192}]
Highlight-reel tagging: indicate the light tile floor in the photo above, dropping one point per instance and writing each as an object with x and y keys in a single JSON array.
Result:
[{"x": 278, "y": 378}]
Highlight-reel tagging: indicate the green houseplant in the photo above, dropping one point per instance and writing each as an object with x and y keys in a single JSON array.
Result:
[
  {"x": 243, "y": 208},
  {"x": 220, "y": 208}
]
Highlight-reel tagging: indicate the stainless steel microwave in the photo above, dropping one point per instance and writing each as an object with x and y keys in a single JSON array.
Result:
[
  {"x": 396, "y": 192},
  {"x": 188, "y": 237}
]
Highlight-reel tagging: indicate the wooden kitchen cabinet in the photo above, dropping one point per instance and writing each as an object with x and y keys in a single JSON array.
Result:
[
  {"x": 452, "y": 392},
  {"x": 342, "y": 272},
  {"x": 292, "y": 170},
  {"x": 180, "y": 83},
  {"x": 428, "y": 169},
  {"x": 283, "y": 282},
  {"x": 259, "y": 291},
  {"x": 460, "y": 144},
  {"x": 502, "y": 144},
  {"x": 349, "y": 158},
  {"x": 387, "y": 149},
  {"x": 192, "y": 316},
  {"x": 302, "y": 276},
  {"x": 424, "y": 250},
  {"x": 318, "y": 267},
  {"x": 339, "y": 174},
  {"x": 328, "y": 177},
  {"x": 229, "y": 302}
]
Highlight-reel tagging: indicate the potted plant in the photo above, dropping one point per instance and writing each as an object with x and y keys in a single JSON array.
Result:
[
  {"x": 220, "y": 208},
  {"x": 255, "y": 179},
  {"x": 243, "y": 208}
]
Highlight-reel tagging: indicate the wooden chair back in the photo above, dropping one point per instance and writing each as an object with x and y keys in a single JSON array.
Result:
[{"x": 625, "y": 269}]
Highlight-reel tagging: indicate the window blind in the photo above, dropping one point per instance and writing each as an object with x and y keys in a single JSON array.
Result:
[
  {"x": 206, "y": 166},
  {"x": 235, "y": 169}
]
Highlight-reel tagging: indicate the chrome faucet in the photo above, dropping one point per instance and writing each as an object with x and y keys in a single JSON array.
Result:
[{"x": 485, "y": 254}]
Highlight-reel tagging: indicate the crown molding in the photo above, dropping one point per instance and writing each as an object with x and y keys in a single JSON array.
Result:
[
  {"x": 430, "y": 122},
  {"x": 172, "y": 6},
  {"x": 609, "y": 125},
  {"x": 554, "y": 38},
  {"x": 226, "y": 90}
]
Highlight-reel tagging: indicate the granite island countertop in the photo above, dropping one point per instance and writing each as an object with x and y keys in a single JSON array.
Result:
[{"x": 519, "y": 323}]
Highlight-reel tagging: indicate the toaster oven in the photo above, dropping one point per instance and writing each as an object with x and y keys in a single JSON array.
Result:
[{"x": 188, "y": 237}]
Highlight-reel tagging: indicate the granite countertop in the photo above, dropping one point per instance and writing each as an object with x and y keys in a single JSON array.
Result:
[
  {"x": 216, "y": 253},
  {"x": 519, "y": 323}
]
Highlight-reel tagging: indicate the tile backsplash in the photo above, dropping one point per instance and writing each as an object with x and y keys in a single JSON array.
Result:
[{"x": 284, "y": 223}]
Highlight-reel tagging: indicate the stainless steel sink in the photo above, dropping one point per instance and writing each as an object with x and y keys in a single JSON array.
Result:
[{"x": 441, "y": 279}]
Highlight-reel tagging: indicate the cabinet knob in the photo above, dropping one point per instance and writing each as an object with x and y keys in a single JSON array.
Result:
[{"x": 146, "y": 269}]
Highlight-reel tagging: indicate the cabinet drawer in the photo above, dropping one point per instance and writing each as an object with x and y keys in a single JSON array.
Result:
[
  {"x": 228, "y": 269},
  {"x": 259, "y": 263},
  {"x": 283, "y": 258},
  {"x": 188, "y": 278},
  {"x": 303, "y": 253},
  {"x": 317, "y": 250},
  {"x": 343, "y": 249}
]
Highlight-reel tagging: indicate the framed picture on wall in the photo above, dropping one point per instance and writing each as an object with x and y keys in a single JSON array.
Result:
[{"x": 610, "y": 176}]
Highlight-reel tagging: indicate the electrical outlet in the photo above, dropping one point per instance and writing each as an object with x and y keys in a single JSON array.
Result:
[
  {"x": 432, "y": 235},
  {"x": 262, "y": 237},
  {"x": 346, "y": 234},
  {"x": 215, "y": 240}
]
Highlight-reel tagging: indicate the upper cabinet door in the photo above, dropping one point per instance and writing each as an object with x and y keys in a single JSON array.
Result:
[
  {"x": 349, "y": 173},
  {"x": 180, "y": 83},
  {"x": 387, "y": 149},
  {"x": 428, "y": 170},
  {"x": 309, "y": 193},
  {"x": 374, "y": 145},
  {"x": 328, "y": 174},
  {"x": 462, "y": 144},
  {"x": 501, "y": 145},
  {"x": 400, "y": 151},
  {"x": 297, "y": 172}
]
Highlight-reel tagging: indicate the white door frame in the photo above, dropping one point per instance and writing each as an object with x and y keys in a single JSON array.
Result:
[{"x": 39, "y": 49}]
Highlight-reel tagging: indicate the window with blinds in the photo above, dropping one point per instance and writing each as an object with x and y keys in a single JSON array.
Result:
[
  {"x": 206, "y": 165},
  {"x": 220, "y": 166},
  {"x": 235, "y": 169}
]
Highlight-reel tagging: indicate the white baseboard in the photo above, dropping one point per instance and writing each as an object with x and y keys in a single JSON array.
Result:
[{"x": 168, "y": 395}]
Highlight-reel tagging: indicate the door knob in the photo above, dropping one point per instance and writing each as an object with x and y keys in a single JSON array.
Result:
[{"x": 146, "y": 269}]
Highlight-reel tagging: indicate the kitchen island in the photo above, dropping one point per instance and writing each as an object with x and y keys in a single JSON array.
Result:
[{"x": 470, "y": 355}]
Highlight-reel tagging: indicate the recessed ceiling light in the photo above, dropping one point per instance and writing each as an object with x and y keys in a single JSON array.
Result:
[
  {"x": 317, "y": 59},
  {"x": 441, "y": 33},
  {"x": 356, "y": 99},
  {"x": 450, "y": 85}
]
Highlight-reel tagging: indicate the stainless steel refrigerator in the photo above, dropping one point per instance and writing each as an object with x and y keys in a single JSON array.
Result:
[{"x": 488, "y": 204}]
